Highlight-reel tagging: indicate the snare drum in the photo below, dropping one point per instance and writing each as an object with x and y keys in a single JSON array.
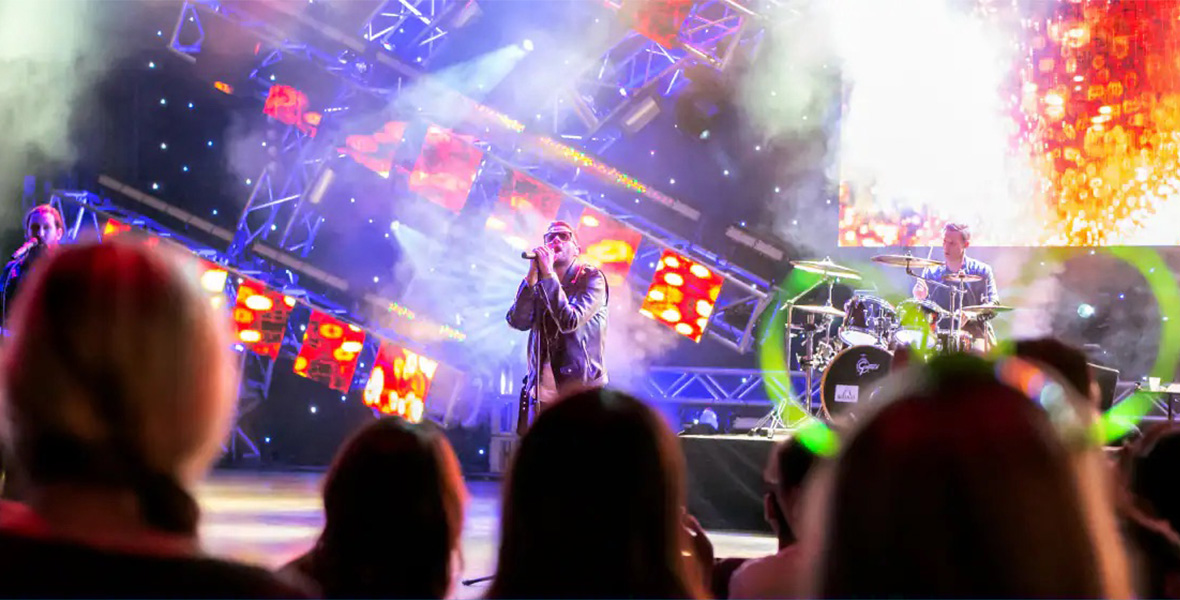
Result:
[
  {"x": 867, "y": 321},
  {"x": 917, "y": 325}
]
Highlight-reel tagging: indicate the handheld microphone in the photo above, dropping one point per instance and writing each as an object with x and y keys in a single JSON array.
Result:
[
  {"x": 528, "y": 255},
  {"x": 25, "y": 249}
]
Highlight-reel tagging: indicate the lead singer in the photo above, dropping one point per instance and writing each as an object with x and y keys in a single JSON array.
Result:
[
  {"x": 562, "y": 304},
  {"x": 43, "y": 230}
]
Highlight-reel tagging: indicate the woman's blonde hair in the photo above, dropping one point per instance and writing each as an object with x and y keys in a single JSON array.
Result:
[{"x": 117, "y": 375}]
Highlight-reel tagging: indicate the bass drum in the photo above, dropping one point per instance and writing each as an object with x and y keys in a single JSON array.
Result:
[{"x": 853, "y": 378}]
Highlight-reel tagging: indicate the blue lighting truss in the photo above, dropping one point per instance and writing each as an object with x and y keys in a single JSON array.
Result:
[
  {"x": 281, "y": 218},
  {"x": 85, "y": 214},
  {"x": 616, "y": 93},
  {"x": 413, "y": 29}
]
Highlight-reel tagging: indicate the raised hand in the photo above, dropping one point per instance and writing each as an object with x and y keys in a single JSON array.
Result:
[
  {"x": 921, "y": 291},
  {"x": 544, "y": 260}
]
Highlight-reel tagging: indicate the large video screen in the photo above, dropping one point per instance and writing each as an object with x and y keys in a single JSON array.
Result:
[{"x": 1036, "y": 123}]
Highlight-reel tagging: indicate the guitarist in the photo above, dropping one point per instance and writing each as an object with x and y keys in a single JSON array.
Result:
[{"x": 562, "y": 304}]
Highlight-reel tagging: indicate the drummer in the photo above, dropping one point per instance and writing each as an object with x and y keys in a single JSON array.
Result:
[{"x": 956, "y": 238}]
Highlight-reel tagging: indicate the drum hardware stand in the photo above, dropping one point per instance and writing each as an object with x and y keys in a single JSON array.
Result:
[
  {"x": 957, "y": 296},
  {"x": 773, "y": 422}
]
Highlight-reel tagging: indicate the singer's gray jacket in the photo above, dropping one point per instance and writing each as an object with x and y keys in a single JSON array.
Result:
[{"x": 570, "y": 325}]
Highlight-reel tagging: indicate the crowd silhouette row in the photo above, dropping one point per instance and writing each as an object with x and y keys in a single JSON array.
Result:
[{"x": 961, "y": 480}]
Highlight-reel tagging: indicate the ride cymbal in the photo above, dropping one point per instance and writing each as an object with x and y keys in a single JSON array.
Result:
[
  {"x": 986, "y": 309},
  {"x": 905, "y": 260},
  {"x": 817, "y": 309},
  {"x": 826, "y": 267},
  {"x": 961, "y": 278}
]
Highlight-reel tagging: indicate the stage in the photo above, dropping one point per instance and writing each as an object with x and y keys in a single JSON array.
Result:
[
  {"x": 725, "y": 484},
  {"x": 268, "y": 518}
]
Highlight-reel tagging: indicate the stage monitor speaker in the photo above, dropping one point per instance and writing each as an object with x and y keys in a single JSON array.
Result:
[{"x": 1107, "y": 379}]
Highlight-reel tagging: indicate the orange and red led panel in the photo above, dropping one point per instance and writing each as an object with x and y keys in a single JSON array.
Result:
[
  {"x": 446, "y": 168},
  {"x": 400, "y": 382},
  {"x": 330, "y": 351},
  {"x": 682, "y": 295},
  {"x": 607, "y": 244},
  {"x": 525, "y": 208},
  {"x": 260, "y": 317}
]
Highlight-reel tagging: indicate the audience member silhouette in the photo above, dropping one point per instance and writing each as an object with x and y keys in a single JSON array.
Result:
[
  {"x": 1150, "y": 501},
  {"x": 962, "y": 486},
  {"x": 593, "y": 507},
  {"x": 393, "y": 508},
  {"x": 777, "y": 576},
  {"x": 1154, "y": 549},
  {"x": 118, "y": 391},
  {"x": 1068, "y": 362}
]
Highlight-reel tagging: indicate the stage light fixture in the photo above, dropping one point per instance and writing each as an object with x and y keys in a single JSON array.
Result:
[
  {"x": 657, "y": 20},
  {"x": 682, "y": 295},
  {"x": 524, "y": 209},
  {"x": 330, "y": 351},
  {"x": 260, "y": 317},
  {"x": 289, "y": 106},
  {"x": 446, "y": 168},
  {"x": 399, "y": 382},
  {"x": 212, "y": 277},
  {"x": 112, "y": 229},
  {"x": 527, "y": 45},
  {"x": 607, "y": 244}
]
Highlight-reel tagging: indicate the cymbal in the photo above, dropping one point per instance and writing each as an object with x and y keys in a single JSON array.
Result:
[
  {"x": 830, "y": 311},
  {"x": 905, "y": 260},
  {"x": 826, "y": 267},
  {"x": 961, "y": 278},
  {"x": 986, "y": 309}
]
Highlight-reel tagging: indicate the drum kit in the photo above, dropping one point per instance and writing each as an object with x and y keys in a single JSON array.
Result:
[{"x": 851, "y": 349}]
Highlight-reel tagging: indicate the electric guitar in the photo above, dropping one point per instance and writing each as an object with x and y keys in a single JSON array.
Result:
[{"x": 523, "y": 410}]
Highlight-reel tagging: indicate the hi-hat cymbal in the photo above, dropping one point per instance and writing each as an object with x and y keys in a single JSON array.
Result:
[
  {"x": 986, "y": 309},
  {"x": 961, "y": 278},
  {"x": 905, "y": 260},
  {"x": 826, "y": 267},
  {"x": 830, "y": 311}
]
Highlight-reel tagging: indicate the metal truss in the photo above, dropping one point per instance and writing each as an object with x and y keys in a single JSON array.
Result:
[
  {"x": 83, "y": 213},
  {"x": 279, "y": 197},
  {"x": 413, "y": 29},
  {"x": 280, "y": 215},
  {"x": 616, "y": 93},
  {"x": 86, "y": 213},
  {"x": 1164, "y": 406},
  {"x": 714, "y": 386}
]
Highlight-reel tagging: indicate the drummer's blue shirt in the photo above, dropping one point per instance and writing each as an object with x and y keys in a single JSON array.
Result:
[{"x": 978, "y": 292}]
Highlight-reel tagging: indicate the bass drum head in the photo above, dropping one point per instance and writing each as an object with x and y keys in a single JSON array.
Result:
[{"x": 853, "y": 378}]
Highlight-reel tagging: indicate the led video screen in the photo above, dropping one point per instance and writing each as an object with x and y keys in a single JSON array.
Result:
[{"x": 1035, "y": 123}]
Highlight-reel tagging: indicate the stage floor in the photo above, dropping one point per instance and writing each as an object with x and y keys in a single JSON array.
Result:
[{"x": 268, "y": 518}]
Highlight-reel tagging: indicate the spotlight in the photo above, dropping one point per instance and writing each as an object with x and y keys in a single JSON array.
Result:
[
  {"x": 1085, "y": 311},
  {"x": 527, "y": 45}
]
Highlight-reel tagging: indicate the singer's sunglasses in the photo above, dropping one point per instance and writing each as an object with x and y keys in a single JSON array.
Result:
[{"x": 564, "y": 236}]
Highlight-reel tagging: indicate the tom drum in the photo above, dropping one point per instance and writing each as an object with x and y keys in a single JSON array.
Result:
[{"x": 868, "y": 320}]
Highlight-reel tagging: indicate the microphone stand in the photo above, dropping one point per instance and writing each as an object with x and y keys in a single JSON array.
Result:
[
  {"x": 529, "y": 398},
  {"x": 471, "y": 582}
]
